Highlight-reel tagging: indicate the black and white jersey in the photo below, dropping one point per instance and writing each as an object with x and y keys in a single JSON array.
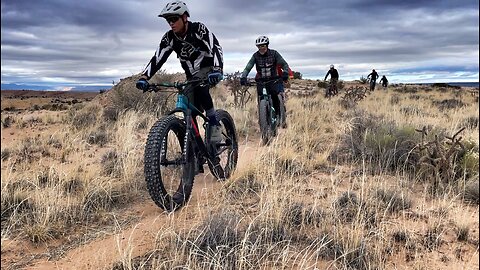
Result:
[{"x": 198, "y": 49}]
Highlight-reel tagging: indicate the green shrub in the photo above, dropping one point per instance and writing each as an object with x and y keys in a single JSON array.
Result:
[
  {"x": 406, "y": 89},
  {"x": 84, "y": 117},
  {"x": 380, "y": 142},
  {"x": 392, "y": 200},
  {"x": 99, "y": 137},
  {"x": 322, "y": 84},
  {"x": 217, "y": 240},
  {"x": 111, "y": 163},
  {"x": 448, "y": 104}
]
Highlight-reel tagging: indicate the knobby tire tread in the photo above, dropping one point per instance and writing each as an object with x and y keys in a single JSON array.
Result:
[{"x": 152, "y": 165}]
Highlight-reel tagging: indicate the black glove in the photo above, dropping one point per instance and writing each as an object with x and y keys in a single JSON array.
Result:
[
  {"x": 243, "y": 81},
  {"x": 142, "y": 84},
  {"x": 285, "y": 76}
]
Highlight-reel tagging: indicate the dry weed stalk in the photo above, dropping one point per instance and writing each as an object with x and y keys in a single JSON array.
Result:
[
  {"x": 439, "y": 157},
  {"x": 241, "y": 95},
  {"x": 353, "y": 95}
]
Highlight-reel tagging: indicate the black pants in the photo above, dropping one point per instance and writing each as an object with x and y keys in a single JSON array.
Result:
[
  {"x": 272, "y": 90},
  {"x": 199, "y": 96}
]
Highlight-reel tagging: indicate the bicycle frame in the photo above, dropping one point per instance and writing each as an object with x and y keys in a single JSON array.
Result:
[
  {"x": 331, "y": 89},
  {"x": 184, "y": 106}
]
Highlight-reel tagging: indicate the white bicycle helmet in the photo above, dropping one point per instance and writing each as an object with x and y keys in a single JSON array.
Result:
[
  {"x": 261, "y": 40},
  {"x": 332, "y": 66},
  {"x": 174, "y": 8}
]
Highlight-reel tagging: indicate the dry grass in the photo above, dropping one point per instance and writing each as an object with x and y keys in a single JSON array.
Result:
[{"x": 338, "y": 189}]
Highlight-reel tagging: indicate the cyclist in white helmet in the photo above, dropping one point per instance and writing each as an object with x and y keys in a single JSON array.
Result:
[
  {"x": 200, "y": 56},
  {"x": 333, "y": 72},
  {"x": 266, "y": 60}
]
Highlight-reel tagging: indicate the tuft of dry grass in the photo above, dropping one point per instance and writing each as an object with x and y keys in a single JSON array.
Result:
[
  {"x": 392, "y": 201},
  {"x": 462, "y": 233}
]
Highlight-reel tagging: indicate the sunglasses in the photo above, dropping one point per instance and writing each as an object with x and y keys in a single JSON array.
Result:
[
  {"x": 172, "y": 19},
  {"x": 261, "y": 46}
]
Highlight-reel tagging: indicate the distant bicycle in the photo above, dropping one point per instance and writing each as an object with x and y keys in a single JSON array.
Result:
[
  {"x": 268, "y": 119},
  {"x": 385, "y": 85},
  {"x": 331, "y": 90},
  {"x": 175, "y": 150},
  {"x": 372, "y": 84}
]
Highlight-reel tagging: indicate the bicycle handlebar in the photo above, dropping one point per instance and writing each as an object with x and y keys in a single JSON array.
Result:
[
  {"x": 265, "y": 82},
  {"x": 155, "y": 87}
]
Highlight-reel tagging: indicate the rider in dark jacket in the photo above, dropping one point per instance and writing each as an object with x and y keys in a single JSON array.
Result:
[
  {"x": 332, "y": 72},
  {"x": 384, "y": 82},
  {"x": 266, "y": 60},
  {"x": 333, "y": 77},
  {"x": 373, "y": 79}
]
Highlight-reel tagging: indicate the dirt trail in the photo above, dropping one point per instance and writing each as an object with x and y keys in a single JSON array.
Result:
[{"x": 140, "y": 238}]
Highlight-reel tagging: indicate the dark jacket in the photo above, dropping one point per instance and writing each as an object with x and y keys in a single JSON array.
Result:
[
  {"x": 384, "y": 80},
  {"x": 333, "y": 74},
  {"x": 373, "y": 75}
]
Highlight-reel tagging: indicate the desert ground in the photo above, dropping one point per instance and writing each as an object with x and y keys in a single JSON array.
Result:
[{"x": 363, "y": 180}]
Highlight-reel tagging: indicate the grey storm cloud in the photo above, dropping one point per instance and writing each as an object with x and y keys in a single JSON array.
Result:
[
  {"x": 105, "y": 15},
  {"x": 88, "y": 41}
]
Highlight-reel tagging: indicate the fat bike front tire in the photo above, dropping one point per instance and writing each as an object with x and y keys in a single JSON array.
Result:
[
  {"x": 164, "y": 155},
  {"x": 265, "y": 121}
]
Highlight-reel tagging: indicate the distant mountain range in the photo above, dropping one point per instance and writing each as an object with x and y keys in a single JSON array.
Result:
[
  {"x": 464, "y": 84},
  {"x": 96, "y": 88},
  {"x": 85, "y": 88}
]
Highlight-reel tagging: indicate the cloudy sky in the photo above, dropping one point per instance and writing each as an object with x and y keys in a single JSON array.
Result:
[{"x": 65, "y": 43}]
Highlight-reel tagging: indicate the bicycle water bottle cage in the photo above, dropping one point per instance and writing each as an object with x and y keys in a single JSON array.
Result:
[{"x": 182, "y": 102}]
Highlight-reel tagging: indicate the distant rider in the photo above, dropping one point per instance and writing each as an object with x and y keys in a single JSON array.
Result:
[
  {"x": 373, "y": 79},
  {"x": 266, "y": 60},
  {"x": 200, "y": 56},
  {"x": 384, "y": 82},
  {"x": 333, "y": 78}
]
